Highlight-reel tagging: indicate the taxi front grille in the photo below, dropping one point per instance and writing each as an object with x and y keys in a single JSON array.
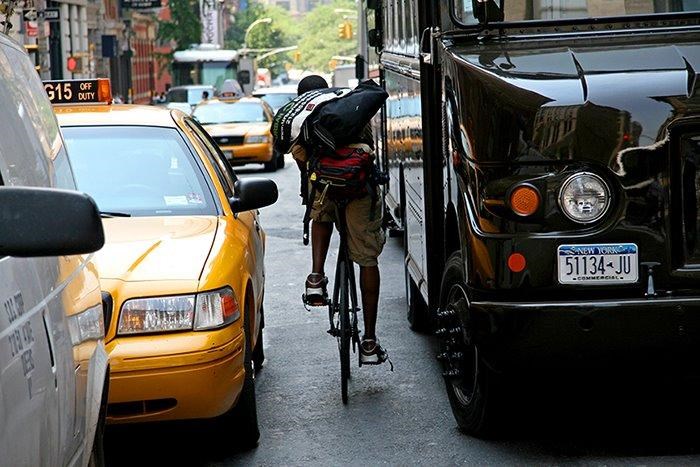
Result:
[
  {"x": 229, "y": 140},
  {"x": 130, "y": 409}
]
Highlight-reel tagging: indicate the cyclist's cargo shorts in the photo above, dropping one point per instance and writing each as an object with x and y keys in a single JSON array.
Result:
[{"x": 365, "y": 237}]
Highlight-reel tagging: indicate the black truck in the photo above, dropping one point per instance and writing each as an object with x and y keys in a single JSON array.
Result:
[{"x": 544, "y": 162}]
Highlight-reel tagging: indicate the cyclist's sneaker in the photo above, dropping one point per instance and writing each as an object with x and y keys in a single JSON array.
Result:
[
  {"x": 316, "y": 294},
  {"x": 371, "y": 353}
]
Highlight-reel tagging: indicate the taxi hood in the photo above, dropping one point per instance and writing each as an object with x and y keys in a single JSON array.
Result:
[
  {"x": 156, "y": 248},
  {"x": 237, "y": 129}
]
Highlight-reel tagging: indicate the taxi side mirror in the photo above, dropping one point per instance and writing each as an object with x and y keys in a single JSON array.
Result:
[
  {"x": 48, "y": 222},
  {"x": 253, "y": 193}
]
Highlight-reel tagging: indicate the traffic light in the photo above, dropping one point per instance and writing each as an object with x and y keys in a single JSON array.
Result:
[
  {"x": 332, "y": 64},
  {"x": 74, "y": 64},
  {"x": 345, "y": 30},
  {"x": 297, "y": 56}
]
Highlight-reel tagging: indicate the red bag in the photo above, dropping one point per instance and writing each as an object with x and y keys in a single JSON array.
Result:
[{"x": 343, "y": 174}]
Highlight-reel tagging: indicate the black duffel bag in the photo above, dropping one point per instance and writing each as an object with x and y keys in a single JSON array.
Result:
[{"x": 341, "y": 121}]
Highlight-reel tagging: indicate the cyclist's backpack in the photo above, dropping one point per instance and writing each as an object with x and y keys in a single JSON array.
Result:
[{"x": 342, "y": 174}]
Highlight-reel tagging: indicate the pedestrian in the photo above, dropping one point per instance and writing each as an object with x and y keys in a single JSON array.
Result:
[
  {"x": 364, "y": 230},
  {"x": 205, "y": 95}
]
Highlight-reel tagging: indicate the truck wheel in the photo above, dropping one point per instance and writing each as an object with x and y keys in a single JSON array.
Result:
[
  {"x": 240, "y": 424},
  {"x": 473, "y": 389}
]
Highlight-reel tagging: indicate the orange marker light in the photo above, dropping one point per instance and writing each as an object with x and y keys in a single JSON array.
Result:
[
  {"x": 104, "y": 90},
  {"x": 524, "y": 200},
  {"x": 516, "y": 262}
]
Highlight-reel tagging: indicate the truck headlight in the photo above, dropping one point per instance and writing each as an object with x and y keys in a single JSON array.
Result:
[
  {"x": 206, "y": 310},
  {"x": 257, "y": 139},
  {"x": 584, "y": 197},
  {"x": 87, "y": 325}
]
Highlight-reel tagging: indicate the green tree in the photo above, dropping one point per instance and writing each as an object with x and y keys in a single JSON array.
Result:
[
  {"x": 184, "y": 26},
  {"x": 279, "y": 33},
  {"x": 320, "y": 39}
]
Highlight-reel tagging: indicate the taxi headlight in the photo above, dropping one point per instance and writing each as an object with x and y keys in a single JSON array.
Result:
[
  {"x": 257, "y": 139},
  {"x": 88, "y": 325},
  {"x": 207, "y": 310},
  {"x": 157, "y": 314},
  {"x": 584, "y": 197},
  {"x": 216, "y": 309}
]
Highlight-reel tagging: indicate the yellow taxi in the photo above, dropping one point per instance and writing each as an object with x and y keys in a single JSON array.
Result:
[
  {"x": 182, "y": 268},
  {"x": 241, "y": 128}
]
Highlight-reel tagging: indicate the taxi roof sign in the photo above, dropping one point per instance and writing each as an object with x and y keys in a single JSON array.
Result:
[{"x": 79, "y": 91}]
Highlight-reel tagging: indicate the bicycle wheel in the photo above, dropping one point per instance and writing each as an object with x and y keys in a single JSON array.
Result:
[{"x": 345, "y": 332}]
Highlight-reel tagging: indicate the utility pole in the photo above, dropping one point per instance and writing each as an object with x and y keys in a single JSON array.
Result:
[{"x": 42, "y": 41}]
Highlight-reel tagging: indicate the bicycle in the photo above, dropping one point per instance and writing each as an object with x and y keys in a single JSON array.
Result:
[{"x": 343, "y": 308}]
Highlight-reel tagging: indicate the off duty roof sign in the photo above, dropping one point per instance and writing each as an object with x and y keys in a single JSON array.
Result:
[{"x": 79, "y": 91}]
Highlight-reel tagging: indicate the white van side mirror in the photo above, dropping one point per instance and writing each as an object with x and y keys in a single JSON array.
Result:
[{"x": 48, "y": 222}]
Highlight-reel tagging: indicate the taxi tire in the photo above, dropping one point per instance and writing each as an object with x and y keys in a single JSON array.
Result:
[
  {"x": 259, "y": 352},
  {"x": 97, "y": 454},
  {"x": 481, "y": 415},
  {"x": 242, "y": 419}
]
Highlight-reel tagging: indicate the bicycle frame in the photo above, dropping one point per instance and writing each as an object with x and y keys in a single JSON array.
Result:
[{"x": 345, "y": 263}]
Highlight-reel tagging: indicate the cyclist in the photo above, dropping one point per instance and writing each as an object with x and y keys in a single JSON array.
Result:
[{"x": 365, "y": 238}]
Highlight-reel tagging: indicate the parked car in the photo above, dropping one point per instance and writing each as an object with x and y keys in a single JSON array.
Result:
[
  {"x": 53, "y": 364},
  {"x": 186, "y": 97},
  {"x": 276, "y": 96},
  {"x": 182, "y": 268},
  {"x": 241, "y": 128}
]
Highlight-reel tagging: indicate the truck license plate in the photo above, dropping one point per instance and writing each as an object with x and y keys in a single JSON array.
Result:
[{"x": 609, "y": 263}]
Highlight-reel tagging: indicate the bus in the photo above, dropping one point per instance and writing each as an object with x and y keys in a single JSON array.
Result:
[
  {"x": 208, "y": 64},
  {"x": 544, "y": 162}
]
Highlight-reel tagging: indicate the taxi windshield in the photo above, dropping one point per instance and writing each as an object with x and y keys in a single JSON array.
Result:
[
  {"x": 138, "y": 170},
  {"x": 236, "y": 112}
]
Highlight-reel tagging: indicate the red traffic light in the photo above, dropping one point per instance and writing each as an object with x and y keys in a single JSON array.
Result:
[{"x": 72, "y": 64}]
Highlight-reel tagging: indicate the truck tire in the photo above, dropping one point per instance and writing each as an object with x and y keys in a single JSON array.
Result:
[{"x": 474, "y": 391}]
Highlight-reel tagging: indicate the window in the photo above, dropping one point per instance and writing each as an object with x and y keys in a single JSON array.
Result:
[
  {"x": 223, "y": 170},
  {"x": 138, "y": 170},
  {"x": 237, "y": 112}
]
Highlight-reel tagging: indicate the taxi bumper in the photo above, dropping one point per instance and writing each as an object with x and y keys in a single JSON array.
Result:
[
  {"x": 516, "y": 336},
  {"x": 175, "y": 385},
  {"x": 246, "y": 153}
]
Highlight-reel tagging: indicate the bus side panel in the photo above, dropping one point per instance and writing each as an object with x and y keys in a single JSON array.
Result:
[{"x": 405, "y": 155}]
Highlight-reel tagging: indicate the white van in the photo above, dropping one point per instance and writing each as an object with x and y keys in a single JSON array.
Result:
[{"x": 53, "y": 365}]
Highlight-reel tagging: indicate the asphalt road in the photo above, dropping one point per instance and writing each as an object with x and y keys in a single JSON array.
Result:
[{"x": 404, "y": 418}]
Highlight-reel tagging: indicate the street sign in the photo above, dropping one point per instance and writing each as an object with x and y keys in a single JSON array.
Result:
[
  {"x": 49, "y": 14},
  {"x": 141, "y": 4},
  {"x": 31, "y": 28},
  {"x": 29, "y": 15}
]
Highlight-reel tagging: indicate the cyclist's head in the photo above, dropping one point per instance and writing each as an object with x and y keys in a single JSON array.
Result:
[{"x": 310, "y": 83}]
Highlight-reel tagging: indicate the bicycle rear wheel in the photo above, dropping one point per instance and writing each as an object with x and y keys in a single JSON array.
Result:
[{"x": 345, "y": 332}]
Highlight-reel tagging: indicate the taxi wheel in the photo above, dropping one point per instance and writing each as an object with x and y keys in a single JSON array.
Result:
[
  {"x": 242, "y": 419},
  {"x": 474, "y": 390},
  {"x": 259, "y": 353}
]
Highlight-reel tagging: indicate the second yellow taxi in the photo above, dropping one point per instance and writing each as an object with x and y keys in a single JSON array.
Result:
[
  {"x": 182, "y": 268},
  {"x": 241, "y": 128}
]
